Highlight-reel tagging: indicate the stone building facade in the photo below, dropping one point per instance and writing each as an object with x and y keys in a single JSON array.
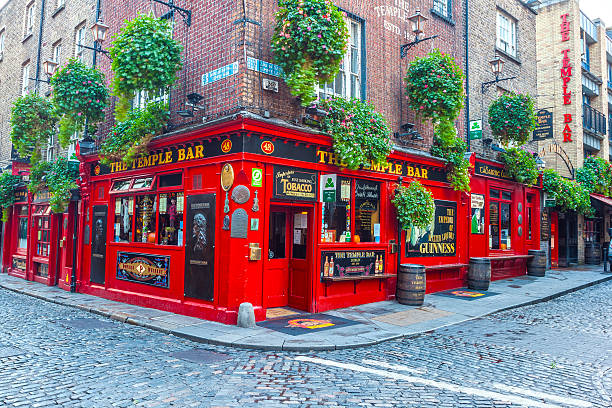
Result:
[
  {"x": 31, "y": 32},
  {"x": 574, "y": 83}
]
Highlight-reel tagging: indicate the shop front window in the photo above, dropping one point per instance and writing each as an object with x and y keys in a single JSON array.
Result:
[
  {"x": 145, "y": 206},
  {"x": 171, "y": 219},
  {"x": 500, "y": 231},
  {"x": 124, "y": 212},
  {"x": 23, "y": 226},
  {"x": 367, "y": 211},
  {"x": 336, "y": 214},
  {"x": 530, "y": 200},
  {"x": 278, "y": 231},
  {"x": 43, "y": 235}
]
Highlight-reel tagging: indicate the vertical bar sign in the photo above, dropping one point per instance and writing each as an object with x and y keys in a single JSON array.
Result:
[{"x": 200, "y": 247}]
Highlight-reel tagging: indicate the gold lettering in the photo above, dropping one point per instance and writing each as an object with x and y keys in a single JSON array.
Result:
[
  {"x": 410, "y": 171},
  {"x": 199, "y": 152},
  {"x": 181, "y": 154},
  {"x": 424, "y": 173},
  {"x": 189, "y": 153},
  {"x": 321, "y": 155},
  {"x": 168, "y": 157}
]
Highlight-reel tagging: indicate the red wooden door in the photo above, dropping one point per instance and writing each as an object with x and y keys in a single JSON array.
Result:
[
  {"x": 65, "y": 251},
  {"x": 276, "y": 271},
  {"x": 554, "y": 239},
  {"x": 301, "y": 237}
]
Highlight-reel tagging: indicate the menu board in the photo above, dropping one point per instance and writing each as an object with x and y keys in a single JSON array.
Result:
[
  {"x": 478, "y": 216},
  {"x": 367, "y": 198},
  {"x": 545, "y": 227},
  {"x": 437, "y": 239}
]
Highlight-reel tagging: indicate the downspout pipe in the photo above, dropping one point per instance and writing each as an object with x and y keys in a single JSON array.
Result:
[
  {"x": 39, "y": 51},
  {"x": 467, "y": 74}
]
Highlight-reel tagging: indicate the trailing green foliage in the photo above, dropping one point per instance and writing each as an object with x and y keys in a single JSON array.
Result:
[
  {"x": 448, "y": 146},
  {"x": 512, "y": 118},
  {"x": 33, "y": 122},
  {"x": 434, "y": 85},
  {"x": 59, "y": 178},
  {"x": 309, "y": 42},
  {"x": 596, "y": 175},
  {"x": 145, "y": 58},
  {"x": 38, "y": 174},
  {"x": 415, "y": 206},
  {"x": 361, "y": 135},
  {"x": 127, "y": 139},
  {"x": 568, "y": 194},
  {"x": 521, "y": 165},
  {"x": 79, "y": 94},
  {"x": 8, "y": 185}
]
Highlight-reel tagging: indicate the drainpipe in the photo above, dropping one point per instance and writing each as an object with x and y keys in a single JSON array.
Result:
[
  {"x": 467, "y": 75},
  {"x": 40, "y": 33}
]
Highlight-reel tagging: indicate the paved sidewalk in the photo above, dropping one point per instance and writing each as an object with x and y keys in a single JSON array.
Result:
[{"x": 372, "y": 323}]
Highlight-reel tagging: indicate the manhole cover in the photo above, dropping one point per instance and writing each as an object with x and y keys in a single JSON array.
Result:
[
  {"x": 86, "y": 323},
  {"x": 200, "y": 356},
  {"x": 9, "y": 352}
]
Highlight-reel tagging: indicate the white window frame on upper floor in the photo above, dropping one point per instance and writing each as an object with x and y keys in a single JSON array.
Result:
[
  {"x": 57, "y": 52},
  {"x": 28, "y": 27},
  {"x": 350, "y": 78},
  {"x": 2, "y": 42},
  {"x": 60, "y": 3},
  {"x": 79, "y": 38},
  {"x": 142, "y": 98},
  {"x": 51, "y": 148},
  {"x": 506, "y": 34},
  {"x": 74, "y": 139},
  {"x": 443, "y": 8},
  {"x": 25, "y": 78}
]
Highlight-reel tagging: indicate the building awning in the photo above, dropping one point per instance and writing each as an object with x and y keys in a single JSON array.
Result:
[{"x": 602, "y": 199}]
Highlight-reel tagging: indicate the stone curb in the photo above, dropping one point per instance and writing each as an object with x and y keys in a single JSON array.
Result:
[{"x": 135, "y": 321}]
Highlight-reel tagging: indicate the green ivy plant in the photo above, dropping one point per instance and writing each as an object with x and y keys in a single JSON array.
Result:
[
  {"x": 415, "y": 205},
  {"x": 38, "y": 174},
  {"x": 79, "y": 95},
  {"x": 521, "y": 165},
  {"x": 596, "y": 174},
  {"x": 568, "y": 194},
  {"x": 59, "y": 177},
  {"x": 361, "y": 135},
  {"x": 145, "y": 58},
  {"x": 309, "y": 42},
  {"x": 512, "y": 118},
  {"x": 128, "y": 139},
  {"x": 8, "y": 185},
  {"x": 33, "y": 122},
  {"x": 434, "y": 87}
]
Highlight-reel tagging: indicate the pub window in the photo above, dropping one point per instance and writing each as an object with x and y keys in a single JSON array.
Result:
[
  {"x": 144, "y": 183},
  {"x": 367, "y": 211},
  {"x": 121, "y": 185},
  {"x": 124, "y": 212},
  {"x": 336, "y": 215},
  {"x": 278, "y": 231},
  {"x": 42, "y": 221},
  {"x": 171, "y": 219},
  {"x": 500, "y": 231},
  {"x": 530, "y": 200},
  {"x": 22, "y": 215},
  {"x": 171, "y": 180},
  {"x": 144, "y": 230}
]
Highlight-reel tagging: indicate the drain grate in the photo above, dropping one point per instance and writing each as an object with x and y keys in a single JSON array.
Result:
[
  {"x": 197, "y": 355},
  {"x": 86, "y": 323}
]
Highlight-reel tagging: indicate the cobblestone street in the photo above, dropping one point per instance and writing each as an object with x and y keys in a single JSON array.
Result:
[{"x": 557, "y": 353}]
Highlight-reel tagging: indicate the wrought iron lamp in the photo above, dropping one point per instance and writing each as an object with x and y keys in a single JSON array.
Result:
[
  {"x": 418, "y": 22},
  {"x": 497, "y": 66}
]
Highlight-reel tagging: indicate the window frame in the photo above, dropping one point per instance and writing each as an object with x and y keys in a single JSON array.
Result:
[
  {"x": 25, "y": 78},
  {"x": 323, "y": 91},
  {"x": 500, "y": 200},
  {"x": 28, "y": 27},
  {"x": 440, "y": 10},
  {"x": 79, "y": 38},
  {"x": 512, "y": 24},
  {"x": 2, "y": 42},
  {"x": 19, "y": 216}
]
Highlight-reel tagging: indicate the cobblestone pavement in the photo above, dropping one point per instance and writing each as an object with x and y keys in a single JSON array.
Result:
[{"x": 551, "y": 354}]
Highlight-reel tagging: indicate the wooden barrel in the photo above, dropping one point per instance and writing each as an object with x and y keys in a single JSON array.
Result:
[
  {"x": 410, "y": 285},
  {"x": 479, "y": 273},
  {"x": 592, "y": 254},
  {"x": 536, "y": 266}
]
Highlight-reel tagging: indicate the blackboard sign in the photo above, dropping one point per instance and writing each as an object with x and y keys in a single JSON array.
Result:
[
  {"x": 144, "y": 268},
  {"x": 352, "y": 263},
  {"x": 21, "y": 196},
  {"x": 294, "y": 184},
  {"x": 439, "y": 238},
  {"x": 98, "y": 244},
  {"x": 545, "y": 227},
  {"x": 200, "y": 247},
  {"x": 544, "y": 128}
]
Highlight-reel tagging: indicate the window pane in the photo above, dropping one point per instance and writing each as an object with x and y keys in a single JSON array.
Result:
[
  {"x": 336, "y": 216},
  {"x": 145, "y": 218},
  {"x": 506, "y": 195},
  {"x": 121, "y": 185},
  {"x": 171, "y": 219},
  {"x": 494, "y": 225},
  {"x": 505, "y": 226},
  {"x": 171, "y": 180},
  {"x": 278, "y": 224},
  {"x": 300, "y": 236},
  {"x": 529, "y": 223},
  {"x": 23, "y": 231},
  {"x": 494, "y": 193},
  {"x": 367, "y": 210},
  {"x": 123, "y": 218},
  {"x": 143, "y": 183}
]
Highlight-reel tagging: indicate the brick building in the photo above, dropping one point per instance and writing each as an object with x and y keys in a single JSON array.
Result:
[
  {"x": 574, "y": 74},
  {"x": 32, "y": 31}
]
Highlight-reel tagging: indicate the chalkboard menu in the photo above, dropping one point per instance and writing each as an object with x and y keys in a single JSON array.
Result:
[
  {"x": 295, "y": 184},
  {"x": 439, "y": 238},
  {"x": 367, "y": 198},
  {"x": 352, "y": 263},
  {"x": 545, "y": 227}
]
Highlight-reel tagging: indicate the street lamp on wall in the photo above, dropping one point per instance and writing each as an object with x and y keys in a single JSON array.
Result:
[
  {"x": 497, "y": 66},
  {"x": 49, "y": 67},
  {"x": 417, "y": 20},
  {"x": 99, "y": 30}
]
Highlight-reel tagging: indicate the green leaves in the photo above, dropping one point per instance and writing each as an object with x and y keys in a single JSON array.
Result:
[
  {"x": 32, "y": 124},
  {"x": 59, "y": 177},
  {"x": 434, "y": 86},
  {"x": 596, "y": 175},
  {"x": 145, "y": 58},
  {"x": 521, "y": 165},
  {"x": 361, "y": 135},
  {"x": 451, "y": 148},
  {"x": 8, "y": 185},
  {"x": 309, "y": 42},
  {"x": 127, "y": 139},
  {"x": 568, "y": 194},
  {"x": 415, "y": 205},
  {"x": 512, "y": 118}
]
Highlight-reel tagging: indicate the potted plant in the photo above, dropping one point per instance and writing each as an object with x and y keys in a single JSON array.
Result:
[
  {"x": 309, "y": 43},
  {"x": 512, "y": 118},
  {"x": 33, "y": 122},
  {"x": 361, "y": 135},
  {"x": 8, "y": 185}
]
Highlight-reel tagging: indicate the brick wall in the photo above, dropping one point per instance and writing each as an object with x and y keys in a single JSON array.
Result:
[
  {"x": 482, "y": 48},
  {"x": 59, "y": 25}
]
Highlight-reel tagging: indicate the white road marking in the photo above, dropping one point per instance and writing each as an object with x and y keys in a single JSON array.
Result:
[
  {"x": 395, "y": 367},
  {"x": 513, "y": 399},
  {"x": 537, "y": 394}
]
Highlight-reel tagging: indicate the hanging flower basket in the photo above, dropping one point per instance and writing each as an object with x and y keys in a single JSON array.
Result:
[
  {"x": 309, "y": 42},
  {"x": 521, "y": 165},
  {"x": 596, "y": 174},
  {"x": 414, "y": 205},
  {"x": 33, "y": 122},
  {"x": 512, "y": 118},
  {"x": 568, "y": 194}
]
